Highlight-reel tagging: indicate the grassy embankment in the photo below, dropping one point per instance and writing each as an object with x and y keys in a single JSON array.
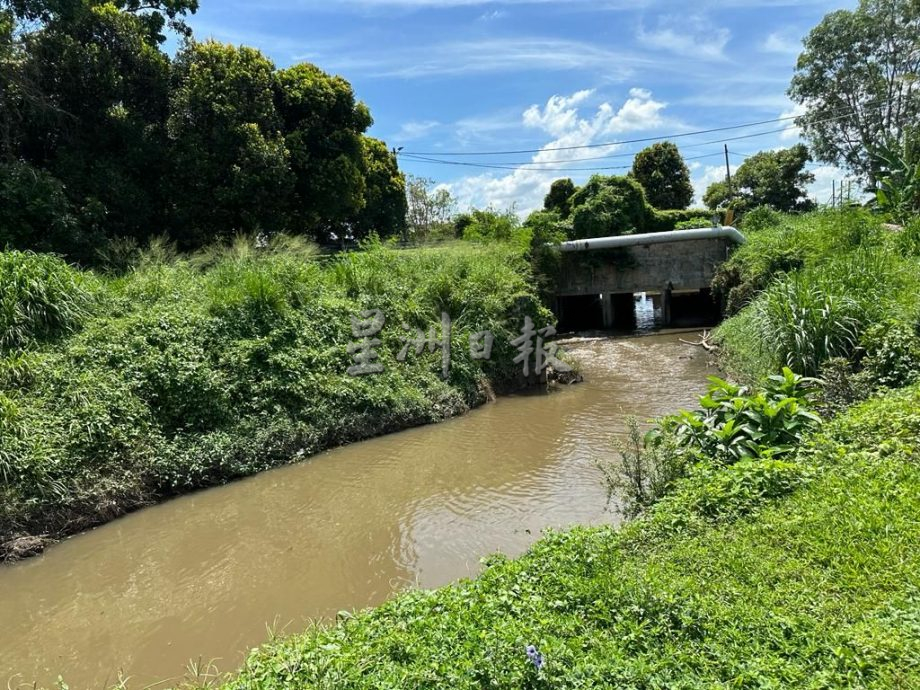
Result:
[
  {"x": 797, "y": 566},
  {"x": 116, "y": 392}
]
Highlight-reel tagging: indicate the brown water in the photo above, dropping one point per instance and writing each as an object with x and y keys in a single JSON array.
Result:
[{"x": 206, "y": 576}]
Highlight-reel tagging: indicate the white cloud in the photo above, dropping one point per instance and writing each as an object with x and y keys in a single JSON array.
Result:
[
  {"x": 493, "y": 55},
  {"x": 492, "y": 15},
  {"x": 703, "y": 176},
  {"x": 525, "y": 187},
  {"x": 691, "y": 36},
  {"x": 792, "y": 132},
  {"x": 415, "y": 130},
  {"x": 559, "y": 114},
  {"x": 787, "y": 42}
]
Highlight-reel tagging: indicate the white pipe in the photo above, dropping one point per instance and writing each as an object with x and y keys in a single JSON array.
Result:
[{"x": 653, "y": 238}]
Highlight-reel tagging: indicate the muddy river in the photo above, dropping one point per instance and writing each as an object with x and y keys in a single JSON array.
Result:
[{"x": 208, "y": 576}]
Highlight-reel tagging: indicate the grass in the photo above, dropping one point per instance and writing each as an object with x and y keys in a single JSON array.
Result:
[
  {"x": 814, "y": 286},
  {"x": 192, "y": 371},
  {"x": 761, "y": 574}
]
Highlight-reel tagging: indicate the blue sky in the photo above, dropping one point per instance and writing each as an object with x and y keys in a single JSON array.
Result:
[{"x": 470, "y": 76}]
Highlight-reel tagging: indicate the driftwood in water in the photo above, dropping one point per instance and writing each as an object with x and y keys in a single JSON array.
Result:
[{"x": 705, "y": 343}]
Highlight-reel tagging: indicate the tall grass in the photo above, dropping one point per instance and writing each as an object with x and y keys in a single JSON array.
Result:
[
  {"x": 194, "y": 370},
  {"x": 42, "y": 297},
  {"x": 809, "y": 289}
]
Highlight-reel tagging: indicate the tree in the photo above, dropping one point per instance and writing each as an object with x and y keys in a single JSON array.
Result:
[
  {"x": 430, "y": 207},
  {"x": 718, "y": 195},
  {"x": 231, "y": 171},
  {"x": 664, "y": 176},
  {"x": 559, "y": 197},
  {"x": 898, "y": 191},
  {"x": 85, "y": 88},
  {"x": 609, "y": 206},
  {"x": 857, "y": 80},
  {"x": 385, "y": 207},
  {"x": 489, "y": 225},
  {"x": 770, "y": 178},
  {"x": 323, "y": 126}
]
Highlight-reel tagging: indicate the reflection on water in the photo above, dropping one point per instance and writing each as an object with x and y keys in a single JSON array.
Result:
[{"x": 204, "y": 575}]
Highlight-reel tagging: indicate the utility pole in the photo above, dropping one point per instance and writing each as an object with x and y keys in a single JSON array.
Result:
[
  {"x": 833, "y": 193},
  {"x": 728, "y": 172}
]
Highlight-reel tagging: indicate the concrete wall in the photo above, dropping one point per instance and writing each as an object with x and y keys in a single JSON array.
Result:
[{"x": 687, "y": 265}]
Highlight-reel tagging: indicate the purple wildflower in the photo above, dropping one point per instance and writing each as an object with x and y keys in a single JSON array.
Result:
[{"x": 535, "y": 657}]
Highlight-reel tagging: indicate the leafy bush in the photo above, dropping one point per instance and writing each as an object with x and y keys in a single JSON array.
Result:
[
  {"x": 892, "y": 354},
  {"x": 608, "y": 206},
  {"x": 36, "y": 214},
  {"x": 42, "y": 298},
  {"x": 645, "y": 472},
  {"x": 841, "y": 386},
  {"x": 694, "y": 223},
  {"x": 760, "y": 218},
  {"x": 678, "y": 219},
  {"x": 736, "y": 422}
]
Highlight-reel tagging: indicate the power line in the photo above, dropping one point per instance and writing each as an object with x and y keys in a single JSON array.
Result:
[
  {"x": 648, "y": 139},
  {"x": 533, "y": 165},
  {"x": 526, "y": 166},
  {"x": 428, "y": 159}
]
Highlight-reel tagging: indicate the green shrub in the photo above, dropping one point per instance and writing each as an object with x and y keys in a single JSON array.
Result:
[
  {"x": 841, "y": 386},
  {"x": 892, "y": 354},
  {"x": 678, "y": 219},
  {"x": 35, "y": 214},
  {"x": 760, "y": 218},
  {"x": 608, "y": 206},
  {"x": 694, "y": 223},
  {"x": 802, "y": 326},
  {"x": 42, "y": 298},
  {"x": 736, "y": 422},
  {"x": 645, "y": 472}
]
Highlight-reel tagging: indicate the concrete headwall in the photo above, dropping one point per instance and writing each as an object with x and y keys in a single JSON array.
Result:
[{"x": 685, "y": 265}]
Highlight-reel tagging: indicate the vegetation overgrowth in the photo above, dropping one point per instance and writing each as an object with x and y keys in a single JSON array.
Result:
[
  {"x": 830, "y": 287},
  {"x": 763, "y": 573},
  {"x": 190, "y": 371}
]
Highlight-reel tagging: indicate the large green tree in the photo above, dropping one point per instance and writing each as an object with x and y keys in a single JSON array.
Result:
[
  {"x": 858, "y": 82},
  {"x": 385, "y": 204},
  {"x": 664, "y": 176},
  {"x": 102, "y": 136},
  {"x": 86, "y": 101},
  {"x": 231, "y": 171},
  {"x": 770, "y": 178},
  {"x": 559, "y": 198},
  {"x": 323, "y": 125},
  {"x": 607, "y": 206}
]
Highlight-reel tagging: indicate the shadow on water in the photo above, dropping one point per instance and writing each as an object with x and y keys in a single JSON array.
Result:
[{"x": 203, "y": 575}]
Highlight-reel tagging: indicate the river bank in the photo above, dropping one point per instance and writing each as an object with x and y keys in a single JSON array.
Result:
[
  {"x": 119, "y": 392},
  {"x": 207, "y": 574},
  {"x": 720, "y": 584}
]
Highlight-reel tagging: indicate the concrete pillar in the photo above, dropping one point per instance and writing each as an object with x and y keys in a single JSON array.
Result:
[
  {"x": 666, "y": 306},
  {"x": 607, "y": 306}
]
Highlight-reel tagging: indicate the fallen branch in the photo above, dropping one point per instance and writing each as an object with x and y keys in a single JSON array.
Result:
[{"x": 703, "y": 343}]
